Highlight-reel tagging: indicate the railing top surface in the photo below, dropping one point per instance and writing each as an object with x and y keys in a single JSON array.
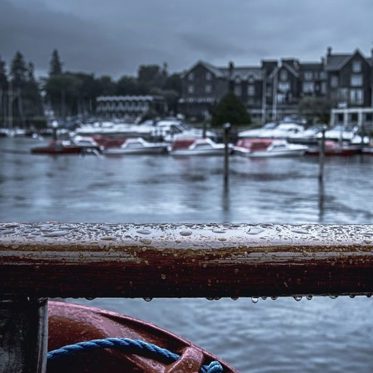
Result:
[
  {"x": 75, "y": 236},
  {"x": 210, "y": 260}
]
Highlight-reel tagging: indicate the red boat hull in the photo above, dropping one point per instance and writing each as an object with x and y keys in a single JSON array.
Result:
[
  {"x": 69, "y": 323},
  {"x": 56, "y": 149}
]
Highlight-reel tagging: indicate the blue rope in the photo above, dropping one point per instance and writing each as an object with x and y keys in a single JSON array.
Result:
[{"x": 134, "y": 346}]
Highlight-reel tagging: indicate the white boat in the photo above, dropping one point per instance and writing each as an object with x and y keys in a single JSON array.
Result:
[
  {"x": 137, "y": 146},
  {"x": 268, "y": 148},
  {"x": 200, "y": 147},
  {"x": 272, "y": 131}
]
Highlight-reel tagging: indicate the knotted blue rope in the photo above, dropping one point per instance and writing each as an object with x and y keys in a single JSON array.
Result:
[{"x": 133, "y": 346}]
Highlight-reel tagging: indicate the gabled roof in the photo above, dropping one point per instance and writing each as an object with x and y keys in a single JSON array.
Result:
[
  {"x": 245, "y": 72},
  {"x": 241, "y": 72},
  {"x": 291, "y": 68},
  {"x": 213, "y": 69},
  {"x": 336, "y": 61}
]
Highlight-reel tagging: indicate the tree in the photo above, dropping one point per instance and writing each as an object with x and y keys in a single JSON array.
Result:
[
  {"x": 316, "y": 109},
  {"x": 128, "y": 85},
  {"x": 3, "y": 76},
  {"x": 55, "y": 67},
  {"x": 152, "y": 76},
  {"x": 230, "y": 109},
  {"x": 3, "y": 89},
  {"x": 18, "y": 70}
]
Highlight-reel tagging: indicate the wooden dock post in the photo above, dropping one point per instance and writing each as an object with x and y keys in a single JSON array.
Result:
[
  {"x": 227, "y": 127},
  {"x": 322, "y": 155},
  {"x": 23, "y": 335}
]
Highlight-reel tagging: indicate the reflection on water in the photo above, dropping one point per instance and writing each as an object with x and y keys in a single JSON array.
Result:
[{"x": 270, "y": 336}]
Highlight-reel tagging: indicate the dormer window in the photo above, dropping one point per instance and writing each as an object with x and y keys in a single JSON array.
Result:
[
  {"x": 190, "y": 76},
  {"x": 208, "y": 75},
  {"x": 356, "y": 66}
]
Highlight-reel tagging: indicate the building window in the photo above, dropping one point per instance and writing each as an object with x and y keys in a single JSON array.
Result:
[
  {"x": 281, "y": 98},
  {"x": 237, "y": 90},
  {"x": 283, "y": 87},
  {"x": 356, "y": 80},
  {"x": 343, "y": 94},
  {"x": 190, "y": 76},
  {"x": 251, "y": 90},
  {"x": 334, "y": 81},
  {"x": 356, "y": 66},
  {"x": 283, "y": 75},
  {"x": 308, "y": 75},
  {"x": 356, "y": 96},
  {"x": 308, "y": 87},
  {"x": 208, "y": 75},
  {"x": 208, "y": 88},
  {"x": 323, "y": 88},
  {"x": 190, "y": 89},
  {"x": 322, "y": 75}
]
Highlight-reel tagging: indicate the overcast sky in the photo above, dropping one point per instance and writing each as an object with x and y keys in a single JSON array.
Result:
[{"x": 116, "y": 36}]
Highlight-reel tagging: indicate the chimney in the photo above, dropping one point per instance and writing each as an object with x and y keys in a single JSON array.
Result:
[{"x": 329, "y": 51}]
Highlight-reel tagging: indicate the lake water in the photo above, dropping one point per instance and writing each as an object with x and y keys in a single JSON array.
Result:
[{"x": 328, "y": 335}]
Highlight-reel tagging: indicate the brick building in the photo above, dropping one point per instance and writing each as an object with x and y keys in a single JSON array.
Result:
[{"x": 274, "y": 88}]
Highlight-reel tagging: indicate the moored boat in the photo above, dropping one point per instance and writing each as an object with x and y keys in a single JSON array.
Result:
[
  {"x": 137, "y": 146},
  {"x": 57, "y": 148},
  {"x": 265, "y": 148},
  {"x": 71, "y": 324},
  {"x": 196, "y": 147},
  {"x": 333, "y": 148}
]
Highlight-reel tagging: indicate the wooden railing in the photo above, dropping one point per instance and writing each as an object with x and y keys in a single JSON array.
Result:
[{"x": 212, "y": 261}]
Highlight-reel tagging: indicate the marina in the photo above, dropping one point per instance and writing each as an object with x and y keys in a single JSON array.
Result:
[{"x": 146, "y": 189}]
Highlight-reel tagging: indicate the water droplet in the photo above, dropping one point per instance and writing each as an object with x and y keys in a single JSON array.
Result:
[
  {"x": 308, "y": 297},
  {"x": 234, "y": 298},
  {"x": 145, "y": 241},
  {"x": 274, "y": 298},
  {"x": 254, "y": 299},
  {"x": 10, "y": 225},
  {"x": 333, "y": 296},
  {"x": 143, "y": 231},
  {"x": 218, "y": 230},
  {"x": 254, "y": 231},
  {"x": 108, "y": 238},
  {"x": 163, "y": 276},
  {"x": 185, "y": 233},
  {"x": 297, "y": 298},
  {"x": 148, "y": 299},
  {"x": 55, "y": 234}
]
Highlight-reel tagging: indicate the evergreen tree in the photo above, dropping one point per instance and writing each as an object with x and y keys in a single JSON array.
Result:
[
  {"x": 18, "y": 70},
  {"x": 55, "y": 67},
  {"x": 3, "y": 76},
  {"x": 3, "y": 89},
  {"x": 231, "y": 110}
]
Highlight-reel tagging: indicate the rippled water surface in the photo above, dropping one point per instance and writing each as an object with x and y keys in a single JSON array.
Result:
[{"x": 321, "y": 335}]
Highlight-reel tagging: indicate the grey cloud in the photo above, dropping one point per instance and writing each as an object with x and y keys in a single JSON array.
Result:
[{"x": 114, "y": 37}]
